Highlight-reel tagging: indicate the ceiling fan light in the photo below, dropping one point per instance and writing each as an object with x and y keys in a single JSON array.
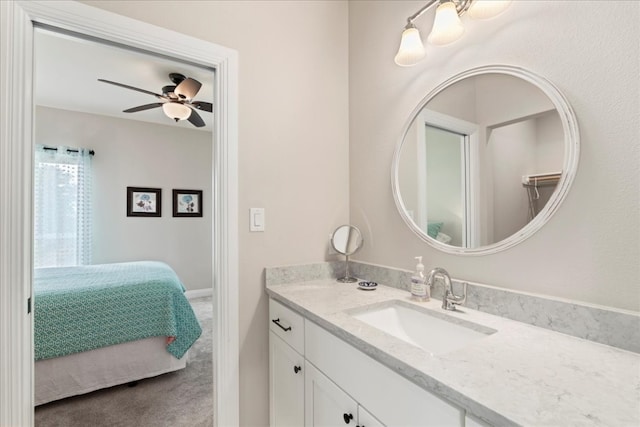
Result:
[
  {"x": 187, "y": 89},
  {"x": 176, "y": 110},
  {"x": 447, "y": 27},
  {"x": 485, "y": 9}
]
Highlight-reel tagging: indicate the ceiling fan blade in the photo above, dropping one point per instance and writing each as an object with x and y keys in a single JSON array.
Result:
[
  {"x": 143, "y": 107},
  {"x": 204, "y": 106},
  {"x": 176, "y": 78},
  {"x": 195, "y": 119},
  {"x": 188, "y": 88},
  {"x": 132, "y": 88}
]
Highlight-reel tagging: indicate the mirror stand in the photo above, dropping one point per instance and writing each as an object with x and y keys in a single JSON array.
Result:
[
  {"x": 346, "y": 240},
  {"x": 347, "y": 278}
]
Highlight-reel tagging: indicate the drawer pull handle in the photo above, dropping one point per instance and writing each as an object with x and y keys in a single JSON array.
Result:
[
  {"x": 347, "y": 418},
  {"x": 297, "y": 369},
  {"x": 277, "y": 322}
]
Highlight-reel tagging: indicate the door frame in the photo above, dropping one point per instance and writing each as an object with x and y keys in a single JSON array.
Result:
[
  {"x": 16, "y": 205},
  {"x": 470, "y": 168}
]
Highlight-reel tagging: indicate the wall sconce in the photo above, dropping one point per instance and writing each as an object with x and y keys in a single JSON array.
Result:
[{"x": 447, "y": 27}]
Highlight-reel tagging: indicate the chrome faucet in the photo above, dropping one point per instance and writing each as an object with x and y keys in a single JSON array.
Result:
[{"x": 449, "y": 299}]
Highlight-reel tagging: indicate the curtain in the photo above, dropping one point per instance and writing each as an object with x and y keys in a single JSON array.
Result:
[{"x": 62, "y": 207}]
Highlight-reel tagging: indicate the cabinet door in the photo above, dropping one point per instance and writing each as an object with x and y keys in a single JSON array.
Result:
[
  {"x": 286, "y": 376},
  {"x": 365, "y": 419},
  {"x": 326, "y": 405},
  {"x": 474, "y": 422}
]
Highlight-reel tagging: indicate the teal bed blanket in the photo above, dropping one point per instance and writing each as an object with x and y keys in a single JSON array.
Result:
[{"x": 87, "y": 307}]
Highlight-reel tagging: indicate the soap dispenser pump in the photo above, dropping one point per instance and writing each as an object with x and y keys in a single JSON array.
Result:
[{"x": 419, "y": 287}]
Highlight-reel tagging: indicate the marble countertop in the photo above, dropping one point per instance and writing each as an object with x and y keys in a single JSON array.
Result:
[{"x": 520, "y": 375}]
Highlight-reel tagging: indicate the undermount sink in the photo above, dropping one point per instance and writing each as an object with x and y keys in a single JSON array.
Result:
[{"x": 433, "y": 332}]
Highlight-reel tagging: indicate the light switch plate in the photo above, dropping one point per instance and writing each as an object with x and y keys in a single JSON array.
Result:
[{"x": 256, "y": 219}]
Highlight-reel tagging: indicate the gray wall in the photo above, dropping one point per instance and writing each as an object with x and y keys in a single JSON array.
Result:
[
  {"x": 136, "y": 154},
  {"x": 322, "y": 105},
  {"x": 590, "y": 249},
  {"x": 293, "y": 143}
]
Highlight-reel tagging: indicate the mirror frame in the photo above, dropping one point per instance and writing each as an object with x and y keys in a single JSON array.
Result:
[{"x": 569, "y": 165}]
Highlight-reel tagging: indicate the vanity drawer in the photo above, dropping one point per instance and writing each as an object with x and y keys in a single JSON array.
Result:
[{"x": 287, "y": 324}]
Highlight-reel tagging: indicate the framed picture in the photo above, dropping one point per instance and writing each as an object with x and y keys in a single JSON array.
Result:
[
  {"x": 144, "y": 201},
  {"x": 187, "y": 203}
]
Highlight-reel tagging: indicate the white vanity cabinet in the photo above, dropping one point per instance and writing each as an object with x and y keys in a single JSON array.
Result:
[
  {"x": 327, "y": 405},
  {"x": 365, "y": 419},
  {"x": 339, "y": 385},
  {"x": 470, "y": 421},
  {"x": 391, "y": 399},
  {"x": 286, "y": 366}
]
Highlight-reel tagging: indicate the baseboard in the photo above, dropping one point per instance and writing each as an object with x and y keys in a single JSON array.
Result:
[{"x": 199, "y": 293}]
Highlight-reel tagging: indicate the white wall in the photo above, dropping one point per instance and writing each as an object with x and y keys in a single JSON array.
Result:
[
  {"x": 501, "y": 99},
  {"x": 298, "y": 130},
  {"x": 137, "y": 154},
  {"x": 532, "y": 146},
  {"x": 590, "y": 249},
  {"x": 550, "y": 146},
  {"x": 293, "y": 142},
  {"x": 512, "y": 150}
]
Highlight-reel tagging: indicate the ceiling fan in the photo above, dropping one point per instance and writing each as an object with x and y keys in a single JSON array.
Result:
[{"x": 176, "y": 100}]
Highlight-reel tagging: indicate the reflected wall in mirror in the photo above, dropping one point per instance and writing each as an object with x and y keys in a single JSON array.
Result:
[
  {"x": 485, "y": 159},
  {"x": 346, "y": 240}
]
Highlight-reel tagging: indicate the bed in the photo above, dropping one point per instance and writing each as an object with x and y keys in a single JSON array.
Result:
[{"x": 102, "y": 325}]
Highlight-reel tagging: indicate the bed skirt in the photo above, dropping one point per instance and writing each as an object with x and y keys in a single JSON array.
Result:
[{"x": 84, "y": 372}]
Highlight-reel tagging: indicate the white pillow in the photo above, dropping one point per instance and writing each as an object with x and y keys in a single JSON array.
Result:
[{"x": 444, "y": 238}]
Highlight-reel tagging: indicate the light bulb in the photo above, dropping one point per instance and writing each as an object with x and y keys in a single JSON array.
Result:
[
  {"x": 176, "y": 110},
  {"x": 447, "y": 27},
  {"x": 411, "y": 49},
  {"x": 484, "y": 9}
]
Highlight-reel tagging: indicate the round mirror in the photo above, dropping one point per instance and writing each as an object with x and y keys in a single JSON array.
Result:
[
  {"x": 485, "y": 159},
  {"x": 346, "y": 240}
]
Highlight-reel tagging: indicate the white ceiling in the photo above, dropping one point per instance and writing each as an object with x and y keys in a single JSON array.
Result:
[{"x": 67, "y": 70}]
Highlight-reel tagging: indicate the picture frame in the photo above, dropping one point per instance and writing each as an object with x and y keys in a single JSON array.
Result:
[
  {"x": 187, "y": 203},
  {"x": 142, "y": 201}
]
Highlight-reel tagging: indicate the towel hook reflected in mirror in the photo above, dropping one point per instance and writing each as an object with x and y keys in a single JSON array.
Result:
[{"x": 346, "y": 240}]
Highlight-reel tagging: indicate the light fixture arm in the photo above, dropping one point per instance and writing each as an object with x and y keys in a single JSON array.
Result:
[
  {"x": 422, "y": 10},
  {"x": 461, "y": 8}
]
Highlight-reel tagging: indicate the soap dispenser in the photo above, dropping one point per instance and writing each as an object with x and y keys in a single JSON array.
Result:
[{"x": 419, "y": 288}]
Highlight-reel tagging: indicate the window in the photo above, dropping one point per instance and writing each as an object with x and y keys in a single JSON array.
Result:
[{"x": 62, "y": 207}]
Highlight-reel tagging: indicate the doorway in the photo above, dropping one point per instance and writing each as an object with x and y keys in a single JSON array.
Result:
[
  {"x": 446, "y": 154},
  {"x": 142, "y": 148},
  {"x": 18, "y": 21},
  {"x": 447, "y": 168}
]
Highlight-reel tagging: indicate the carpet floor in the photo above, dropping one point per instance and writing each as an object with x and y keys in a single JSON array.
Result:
[{"x": 180, "y": 399}]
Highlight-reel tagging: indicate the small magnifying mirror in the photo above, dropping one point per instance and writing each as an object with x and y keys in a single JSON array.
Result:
[{"x": 346, "y": 240}]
